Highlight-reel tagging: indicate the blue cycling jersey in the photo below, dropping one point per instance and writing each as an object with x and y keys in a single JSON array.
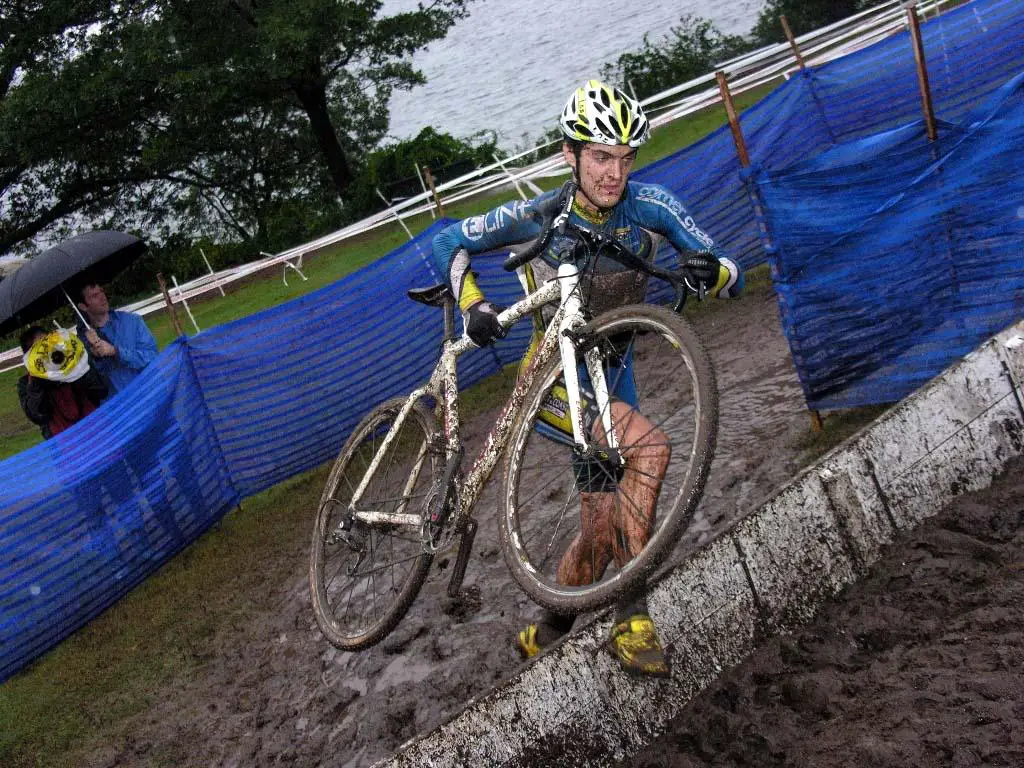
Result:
[{"x": 644, "y": 208}]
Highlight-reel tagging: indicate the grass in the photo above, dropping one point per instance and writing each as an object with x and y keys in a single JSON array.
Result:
[
  {"x": 82, "y": 694},
  {"x": 837, "y": 426}
]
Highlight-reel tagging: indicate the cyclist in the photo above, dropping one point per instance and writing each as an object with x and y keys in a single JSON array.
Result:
[{"x": 602, "y": 129}]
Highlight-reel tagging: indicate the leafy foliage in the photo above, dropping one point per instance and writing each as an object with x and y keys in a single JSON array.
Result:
[
  {"x": 397, "y": 162},
  {"x": 802, "y": 16},
  {"x": 219, "y": 117},
  {"x": 690, "y": 50}
]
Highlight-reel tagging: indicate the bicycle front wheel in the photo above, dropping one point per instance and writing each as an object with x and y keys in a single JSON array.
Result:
[
  {"x": 579, "y": 531},
  {"x": 363, "y": 576}
]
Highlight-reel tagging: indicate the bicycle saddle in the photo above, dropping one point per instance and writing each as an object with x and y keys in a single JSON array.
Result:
[{"x": 434, "y": 296}]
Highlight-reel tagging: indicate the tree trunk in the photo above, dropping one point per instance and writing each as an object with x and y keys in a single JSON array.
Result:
[{"x": 313, "y": 97}]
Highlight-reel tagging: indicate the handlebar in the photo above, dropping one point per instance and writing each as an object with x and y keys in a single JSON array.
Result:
[
  {"x": 554, "y": 224},
  {"x": 600, "y": 244}
]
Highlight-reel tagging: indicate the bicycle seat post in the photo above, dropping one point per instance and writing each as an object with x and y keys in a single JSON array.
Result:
[{"x": 449, "y": 319}]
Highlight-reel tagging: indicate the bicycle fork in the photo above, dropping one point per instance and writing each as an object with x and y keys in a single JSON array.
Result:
[{"x": 572, "y": 320}]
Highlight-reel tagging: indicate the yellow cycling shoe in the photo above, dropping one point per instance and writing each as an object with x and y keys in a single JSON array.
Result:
[
  {"x": 527, "y": 642},
  {"x": 636, "y": 645},
  {"x": 536, "y": 637}
]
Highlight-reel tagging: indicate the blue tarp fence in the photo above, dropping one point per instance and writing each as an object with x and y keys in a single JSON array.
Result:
[
  {"x": 234, "y": 410},
  {"x": 894, "y": 255}
]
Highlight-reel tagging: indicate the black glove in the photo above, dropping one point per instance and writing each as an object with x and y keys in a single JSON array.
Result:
[
  {"x": 482, "y": 324},
  {"x": 701, "y": 267}
]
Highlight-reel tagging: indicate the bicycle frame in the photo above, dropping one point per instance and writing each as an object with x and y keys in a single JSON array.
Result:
[{"x": 443, "y": 387}]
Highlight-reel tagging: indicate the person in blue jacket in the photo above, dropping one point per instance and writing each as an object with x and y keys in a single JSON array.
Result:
[
  {"x": 602, "y": 129},
  {"x": 120, "y": 345}
]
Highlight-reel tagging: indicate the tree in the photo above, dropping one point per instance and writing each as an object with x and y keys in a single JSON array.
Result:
[
  {"x": 337, "y": 61},
  {"x": 691, "y": 49},
  {"x": 58, "y": 120},
  {"x": 205, "y": 113},
  {"x": 802, "y": 16}
]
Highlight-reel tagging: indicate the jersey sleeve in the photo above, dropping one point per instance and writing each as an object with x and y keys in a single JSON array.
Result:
[
  {"x": 660, "y": 210},
  {"x": 507, "y": 225}
]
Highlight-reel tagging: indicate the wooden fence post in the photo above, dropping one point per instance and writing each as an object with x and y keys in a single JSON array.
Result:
[
  {"x": 430, "y": 183},
  {"x": 922, "y": 70},
  {"x": 792, "y": 42},
  {"x": 170, "y": 305},
  {"x": 734, "y": 123}
]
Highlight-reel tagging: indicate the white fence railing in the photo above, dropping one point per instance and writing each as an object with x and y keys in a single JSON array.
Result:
[{"x": 744, "y": 73}]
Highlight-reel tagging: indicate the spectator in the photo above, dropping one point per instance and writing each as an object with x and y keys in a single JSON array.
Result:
[
  {"x": 56, "y": 405},
  {"x": 120, "y": 345}
]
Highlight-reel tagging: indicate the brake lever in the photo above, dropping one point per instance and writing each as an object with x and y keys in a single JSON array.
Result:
[{"x": 680, "y": 302}]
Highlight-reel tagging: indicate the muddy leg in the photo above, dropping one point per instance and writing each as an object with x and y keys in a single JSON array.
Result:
[
  {"x": 646, "y": 452},
  {"x": 617, "y": 525},
  {"x": 591, "y": 551}
]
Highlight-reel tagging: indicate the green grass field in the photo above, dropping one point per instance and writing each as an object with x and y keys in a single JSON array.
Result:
[{"x": 81, "y": 693}]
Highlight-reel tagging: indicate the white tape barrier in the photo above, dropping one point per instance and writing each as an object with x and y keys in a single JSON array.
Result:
[{"x": 768, "y": 575}]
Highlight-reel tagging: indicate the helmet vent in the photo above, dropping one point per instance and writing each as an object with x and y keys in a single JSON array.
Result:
[{"x": 603, "y": 114}]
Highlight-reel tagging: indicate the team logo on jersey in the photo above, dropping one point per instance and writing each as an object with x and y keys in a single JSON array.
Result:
[
  {"x": 660, "y": 196},
  {"x": 475, "y": 227}
]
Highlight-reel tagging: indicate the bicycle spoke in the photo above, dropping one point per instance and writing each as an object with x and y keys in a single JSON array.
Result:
[
  {"x": 388, "y": 564},
  {"x": 659, "y": 380},
  {"x": 538, "y": 490},
  {"x": 554, "y": 533},
  {"x": 358, "y": 596}
]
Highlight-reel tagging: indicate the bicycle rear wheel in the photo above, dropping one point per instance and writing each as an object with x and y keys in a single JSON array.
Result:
[
  {"x": 364, "y": 576},
  {"x": 579, "y": 533}
]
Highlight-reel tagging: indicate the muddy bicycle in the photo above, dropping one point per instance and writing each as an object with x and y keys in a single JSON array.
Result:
[{"x": 398, "y": 493}]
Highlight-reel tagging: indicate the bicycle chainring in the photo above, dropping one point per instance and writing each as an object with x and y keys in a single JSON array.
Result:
[{"x": 437, "y": 531}]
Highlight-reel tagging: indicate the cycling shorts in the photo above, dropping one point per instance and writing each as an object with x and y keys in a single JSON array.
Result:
[{"x": 553, "y": 419}]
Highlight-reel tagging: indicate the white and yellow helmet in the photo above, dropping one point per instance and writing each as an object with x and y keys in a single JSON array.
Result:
[{"x": 600, "y": 114}]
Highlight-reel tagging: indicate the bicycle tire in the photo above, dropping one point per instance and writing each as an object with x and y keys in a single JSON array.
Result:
[
  {"x": 391, "y": 478},
  {"x": 651, "y": 331}
]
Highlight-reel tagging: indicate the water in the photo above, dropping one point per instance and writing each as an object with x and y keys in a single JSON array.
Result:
[{"x": 510, "y": 66}]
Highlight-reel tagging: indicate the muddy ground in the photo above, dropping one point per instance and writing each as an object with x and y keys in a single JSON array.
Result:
[
  {"x": 920, "y": 664},
  {"x": 276, "y": 693}
]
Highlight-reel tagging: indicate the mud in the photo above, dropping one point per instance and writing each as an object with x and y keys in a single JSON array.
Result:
[
  {"x": 275, "y": 692},
  {"x": 920, "y": 664}
]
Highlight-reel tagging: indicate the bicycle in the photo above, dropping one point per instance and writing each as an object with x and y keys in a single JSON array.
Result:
[{"x": 397, "y": 494}]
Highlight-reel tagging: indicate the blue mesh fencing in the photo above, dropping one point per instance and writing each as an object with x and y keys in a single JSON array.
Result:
[
  {"x": 217, "y": 418},
  {"x": 234, "y": 410},
  {"x": 90, "y": 513},
  {"x": 893, "y": 255},
  {"x": 970, "y": 51},
  {"x": 286, "y": 386}
]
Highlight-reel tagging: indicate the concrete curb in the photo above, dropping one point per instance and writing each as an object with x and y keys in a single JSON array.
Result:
[{"x": 767, "y": 575}]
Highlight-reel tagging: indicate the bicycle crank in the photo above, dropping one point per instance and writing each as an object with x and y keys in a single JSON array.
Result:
[
  {"x": 441, "y": 500},
  {"x": 462, "y": 559}
]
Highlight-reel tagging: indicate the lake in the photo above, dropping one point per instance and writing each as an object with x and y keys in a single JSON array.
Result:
[{"x": 510, "y": 66}]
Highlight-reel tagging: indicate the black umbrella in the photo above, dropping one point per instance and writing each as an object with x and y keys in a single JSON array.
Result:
[{"x": 37, "y": 289}]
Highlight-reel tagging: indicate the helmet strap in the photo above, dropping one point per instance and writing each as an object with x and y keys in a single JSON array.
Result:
[{"x": 577, "y": 151}]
